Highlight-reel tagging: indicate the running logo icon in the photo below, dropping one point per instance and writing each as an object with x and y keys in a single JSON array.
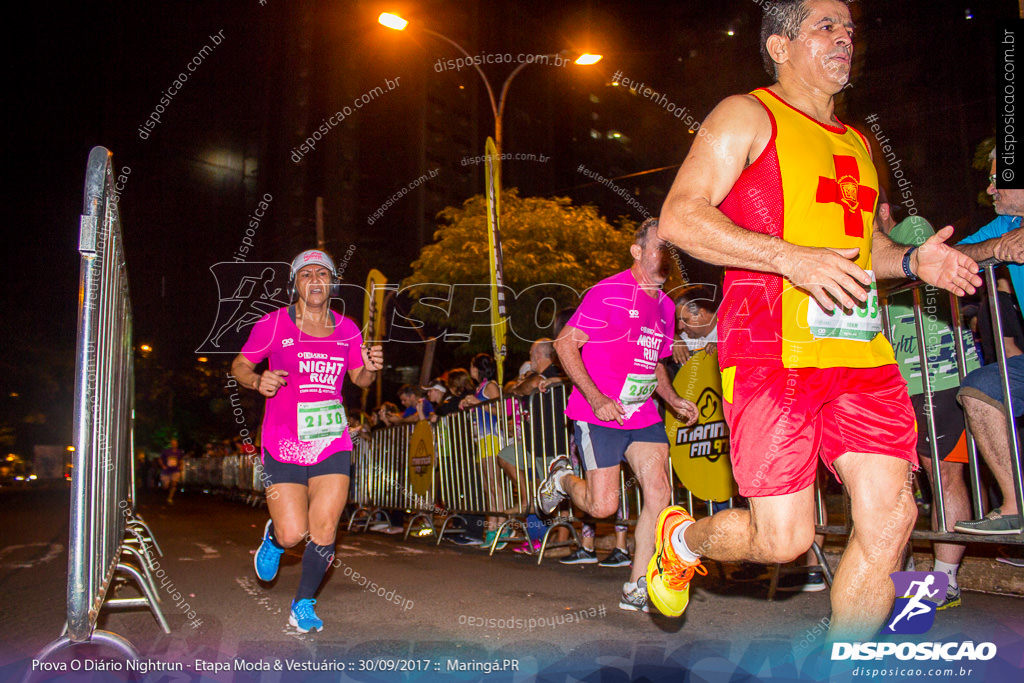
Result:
[
  {"x": 246, "y": 292},
  {"x": 917, "y": 594}
]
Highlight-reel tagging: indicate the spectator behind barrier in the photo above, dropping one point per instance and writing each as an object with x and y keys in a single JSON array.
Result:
[
  {"x": 387, "y": 414},
  {"x": 416, "y": 407},
  {"x": 981, "y": 392},
  {"x": 484, "y": 370},
  {"x": 460, "y": 385},
  {"x": 547, "y": 422},
  {"x": 944, "y": 383},
  {"x": 696, "y": 323}
]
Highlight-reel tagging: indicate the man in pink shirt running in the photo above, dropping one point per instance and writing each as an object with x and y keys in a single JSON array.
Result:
[{"x": 611, "y": 349}]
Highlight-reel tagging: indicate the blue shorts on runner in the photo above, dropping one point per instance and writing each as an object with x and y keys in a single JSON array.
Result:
[{"x": 601, "y": 447}]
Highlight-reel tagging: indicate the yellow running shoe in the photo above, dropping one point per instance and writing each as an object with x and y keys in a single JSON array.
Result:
[{"x": 668, "y": 576}]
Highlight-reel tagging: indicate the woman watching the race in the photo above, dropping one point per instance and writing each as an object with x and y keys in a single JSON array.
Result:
[{"x": 307, "y": 450}]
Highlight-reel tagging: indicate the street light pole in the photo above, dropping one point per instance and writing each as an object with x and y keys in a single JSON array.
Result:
[
  {"x": 493, "y": 150},
  {"x": 497, "y": 105},
  {"x": 495, "y": 108}
]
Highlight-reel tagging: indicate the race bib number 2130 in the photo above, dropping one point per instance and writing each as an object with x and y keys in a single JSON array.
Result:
[{"x": 320, "y": 420}]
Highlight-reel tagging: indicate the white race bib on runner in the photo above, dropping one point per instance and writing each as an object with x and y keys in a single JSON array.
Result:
[
  {"x": 321, "y": 419},
  {"x": 863, "y": 323},
  {"x": 635, "y": 392}
]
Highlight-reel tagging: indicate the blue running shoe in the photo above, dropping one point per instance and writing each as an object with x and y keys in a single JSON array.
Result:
[
  {"x": 268, "y": 557},
  {"x": 303, "y": 617}
]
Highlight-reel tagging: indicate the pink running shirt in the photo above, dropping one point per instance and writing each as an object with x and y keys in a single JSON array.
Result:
[
  {"x": 629, "y": 332},
  {"x": 316, "y": 370}
]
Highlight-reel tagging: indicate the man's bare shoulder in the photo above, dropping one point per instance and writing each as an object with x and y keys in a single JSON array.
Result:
[
  {"x": 739, "y": 111},
  {"x": 737, "y": 129}
]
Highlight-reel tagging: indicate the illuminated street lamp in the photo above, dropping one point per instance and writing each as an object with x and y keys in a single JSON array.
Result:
[
  {"x": 393, "y": 21},
  {"x": 497, "y": 106}
]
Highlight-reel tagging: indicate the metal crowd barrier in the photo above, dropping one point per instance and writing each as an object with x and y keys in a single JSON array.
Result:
[
  {"x": 239, "y": 476},
  {"x": 941, "y": 534},
  {"x": 379, "y": 473},
  {"x": 469, "y": 475},
  {"x": 105, "y": 531}
]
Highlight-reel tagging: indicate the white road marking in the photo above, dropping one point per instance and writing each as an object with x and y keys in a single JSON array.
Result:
[{"x": 53, "y": 550}]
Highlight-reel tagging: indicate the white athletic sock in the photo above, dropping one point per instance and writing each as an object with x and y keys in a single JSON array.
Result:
[
  {"x": 629, "y": 586},
  {"x": 949, "y": 569},
  {"x": 559, "y": 476},
  {"x": 679, "y": 543}
]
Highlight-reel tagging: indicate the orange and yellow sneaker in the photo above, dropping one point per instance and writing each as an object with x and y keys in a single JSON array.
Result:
[{"x": 668, "y": 575}]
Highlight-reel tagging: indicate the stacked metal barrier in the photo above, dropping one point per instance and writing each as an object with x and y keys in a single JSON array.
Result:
[
  {"x": 239, "y": 476},
  {"x": 104, "y": 529}
]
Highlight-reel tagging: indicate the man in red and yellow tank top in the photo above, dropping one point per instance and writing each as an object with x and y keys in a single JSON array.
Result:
[{"x": 783, "y": 194}]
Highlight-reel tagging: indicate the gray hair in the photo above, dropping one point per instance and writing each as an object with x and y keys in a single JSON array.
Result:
[{"x": 781, "y": 18}]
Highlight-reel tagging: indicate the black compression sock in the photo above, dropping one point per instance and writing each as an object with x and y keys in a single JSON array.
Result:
[{"x": 315, "y": 561}]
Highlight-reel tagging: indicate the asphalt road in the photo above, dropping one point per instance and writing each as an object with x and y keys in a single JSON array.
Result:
[{"x": 412, "y": 611}]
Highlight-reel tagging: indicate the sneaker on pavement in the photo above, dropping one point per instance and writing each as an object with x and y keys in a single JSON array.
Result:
[
  {"x": 268, "y": 557},
  {"x": 635, "y": 600},
  {"x": 994, "y": 523},
  {"x": 802, "y": 582},
  {"x": 580, "y": 556},
  {"x": 952, "y": 598},
  {"x": 617, "y": 558},
  {"x": 303, "y": 617},
  {"x": 1011, "y": 555},
  {"x": 506, "y": 534},
  {"x": 548, "y": 496},
  {"x": 668, "y": 575},
  {"x": 461, "y": 539}
]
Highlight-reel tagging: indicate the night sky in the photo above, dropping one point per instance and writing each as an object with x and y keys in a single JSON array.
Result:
[{"x": 87, "y": 74}]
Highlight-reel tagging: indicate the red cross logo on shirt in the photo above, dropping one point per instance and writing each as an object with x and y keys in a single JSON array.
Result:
[{"x": 845, "y": 189}]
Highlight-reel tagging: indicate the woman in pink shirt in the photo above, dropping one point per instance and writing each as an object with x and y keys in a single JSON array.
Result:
[{"x": 307, "y": 450}]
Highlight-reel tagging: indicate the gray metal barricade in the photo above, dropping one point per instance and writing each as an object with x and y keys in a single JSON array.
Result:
[
  {"x": 102, "y": 495},
  {"x": 974, "y": 473},
  {"x": 489, "y": 460},
  {"x": 493, "y": 457},
  {"x": 467, "y": 444},
  {"x": 380, "y": 470}
]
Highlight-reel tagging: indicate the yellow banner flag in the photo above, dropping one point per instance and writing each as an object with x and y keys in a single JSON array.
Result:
[
  {"x": 373, "y": 306},
  {"x": 498, "y": 316}
]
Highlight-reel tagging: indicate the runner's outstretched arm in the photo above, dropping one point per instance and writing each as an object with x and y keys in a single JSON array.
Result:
[{"x": 935, "y": 262}]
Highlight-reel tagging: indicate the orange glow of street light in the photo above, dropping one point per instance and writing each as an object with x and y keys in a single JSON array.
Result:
[
  {"x": 393, "y": 21},
  {"x": 586, "y": 59}
]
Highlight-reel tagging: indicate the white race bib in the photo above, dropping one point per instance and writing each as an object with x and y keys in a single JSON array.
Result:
[
  {"x": 321, "y": 419},
  {"x": 635, "y": 392},
  {"x": 863, "y": 323}
]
